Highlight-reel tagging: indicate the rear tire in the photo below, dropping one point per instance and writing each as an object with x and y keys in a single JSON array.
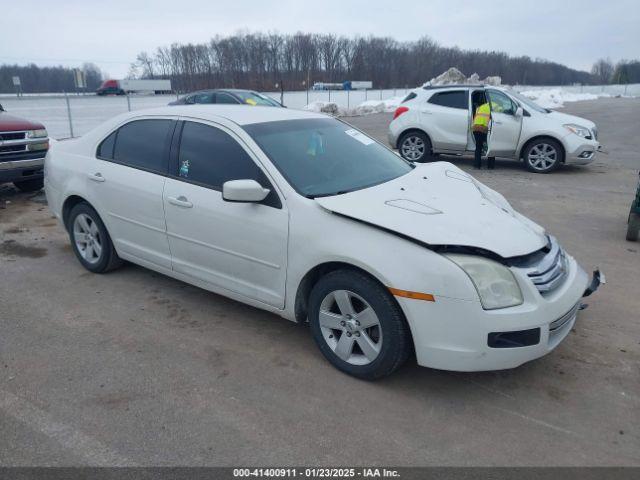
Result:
[
  {"x": 90, "y": 240},
  {"x": 543, "y": 155},
  {"x": 31, "y": 185},
  {"x": 357, "y": 325},
  {"x": 416, "y": 147},
  {"x": 633, "y": 229}
]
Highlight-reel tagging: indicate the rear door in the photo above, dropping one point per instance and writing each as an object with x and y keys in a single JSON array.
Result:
[
  {"x": 447, "y": 114},
  {"x": 505, "y": 125},
  {"x": 127, "y": 177},
  {"x": 239, "y": 247}
]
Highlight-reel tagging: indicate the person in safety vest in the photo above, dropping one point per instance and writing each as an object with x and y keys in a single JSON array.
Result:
[{"x": 480, "y": 129}]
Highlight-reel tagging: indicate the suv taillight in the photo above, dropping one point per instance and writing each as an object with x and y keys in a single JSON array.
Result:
[{"x": 400, "y": 111}]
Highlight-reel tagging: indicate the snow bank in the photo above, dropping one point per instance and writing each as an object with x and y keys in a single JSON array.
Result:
[
  {"x": 455, "y": 76},
  {"x": 325, "y": 107},
  {"x": 556, "y": 97},
  {"x": 377, "y": 106},
  {"x": 365, "y": 108}
]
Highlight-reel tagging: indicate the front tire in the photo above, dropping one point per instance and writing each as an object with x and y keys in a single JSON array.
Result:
[
  {"x": 90, "y": 240},
  {"x": 543, "y": 155},
  {"x": 357, "y": 325},
  {"x": 415, "y": 147},
  {"x": 31, "y": 185},
  {"x": 633, "y": 229}
]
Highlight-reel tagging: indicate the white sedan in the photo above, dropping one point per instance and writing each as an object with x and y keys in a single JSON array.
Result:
[{"x": 303, "y": 215}]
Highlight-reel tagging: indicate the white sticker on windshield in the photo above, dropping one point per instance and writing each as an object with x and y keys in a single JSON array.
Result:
[{"x": 361, "y": 137}]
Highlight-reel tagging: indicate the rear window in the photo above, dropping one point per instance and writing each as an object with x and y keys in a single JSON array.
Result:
[
  {"x": 139, "y": 144},
  {"x": 452, "y": 99}
]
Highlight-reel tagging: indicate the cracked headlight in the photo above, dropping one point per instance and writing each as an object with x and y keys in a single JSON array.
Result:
[
  {"x": 583, "y": 132},
  {"x": 495, "y": 284}
]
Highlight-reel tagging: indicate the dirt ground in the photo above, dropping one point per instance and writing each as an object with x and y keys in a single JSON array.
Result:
[{"x": 134, "y": 368}]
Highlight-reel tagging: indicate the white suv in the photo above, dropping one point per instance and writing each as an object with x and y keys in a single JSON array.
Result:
[{"x": 433, "y": 120}]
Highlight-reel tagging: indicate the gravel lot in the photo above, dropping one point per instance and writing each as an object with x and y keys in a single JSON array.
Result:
[{"x": 134, "y": 368}]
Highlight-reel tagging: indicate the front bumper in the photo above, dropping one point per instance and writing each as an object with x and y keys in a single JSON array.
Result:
[
  {"x": 580, "y": 151},
  {"x": 453, "y": 334},
  {"x": 25, "y": 169}
]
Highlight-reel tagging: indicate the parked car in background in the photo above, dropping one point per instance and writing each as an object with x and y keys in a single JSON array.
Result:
[
  {"x": 227, "y": 96},
  {"x": 122, "y": 87},
  {"x": 23, "y": 146},
  {"x": 633, "y": 223},
  {"x": 302, "y": 215},
  {"x": 437, "y": 119}
]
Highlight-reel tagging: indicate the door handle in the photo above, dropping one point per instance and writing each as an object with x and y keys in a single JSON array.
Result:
[
  {"x": 497, "y": 123},
  {"x": 96, "y": 177},
  {"x": 424, "y": 110},
  {"x": 181, "y": 201}
]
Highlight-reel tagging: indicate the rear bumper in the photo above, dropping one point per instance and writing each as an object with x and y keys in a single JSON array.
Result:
[{"x": 13, "y": 170}]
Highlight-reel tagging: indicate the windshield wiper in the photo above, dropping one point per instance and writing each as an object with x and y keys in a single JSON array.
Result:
[{"x": 318, "y": 195}]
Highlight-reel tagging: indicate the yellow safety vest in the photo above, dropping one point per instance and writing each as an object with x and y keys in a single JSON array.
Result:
[{"x": 481, "y": 118}]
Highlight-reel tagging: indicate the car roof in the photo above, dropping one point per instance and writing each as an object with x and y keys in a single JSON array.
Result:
[
  {"x": 239, "y": 114},
  {"x": 230, "y": 90}
]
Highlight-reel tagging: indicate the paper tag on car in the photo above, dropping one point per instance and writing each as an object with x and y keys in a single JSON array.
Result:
[{"x": 361, "y": 137}]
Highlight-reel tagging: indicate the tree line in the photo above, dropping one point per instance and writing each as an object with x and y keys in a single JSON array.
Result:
[
  {"x": 260, "y": 61},
  {"x": 625, "y": 71},
  {"x": 35, "y": 79}
]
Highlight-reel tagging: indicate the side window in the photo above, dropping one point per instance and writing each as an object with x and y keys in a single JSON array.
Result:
[
  {"x": 105, "y": 149},
  {"x": 501, "y": 103},
  {"x": 411, "y": 96},
  {"x": 225, "y": 98},
  {"x": 210, "y": 157},
  {"x": 203, "y": 98},
  {"x": 453, "y": 99},
  {"x": 143, "y": 144}
]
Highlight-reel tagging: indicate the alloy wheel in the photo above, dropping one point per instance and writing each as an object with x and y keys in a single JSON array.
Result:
[
  {"x": 350, "y": 327},
  {"x": 86, "y": 236},
  {"x": 542, "y": 157},
  {"x": 413, "y": 148}
]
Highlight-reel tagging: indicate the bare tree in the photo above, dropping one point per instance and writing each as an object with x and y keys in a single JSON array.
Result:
[{"x": 602, "y": 70}]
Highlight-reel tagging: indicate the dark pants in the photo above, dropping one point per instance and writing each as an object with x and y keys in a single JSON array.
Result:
[{"x": 481, "y": 139}]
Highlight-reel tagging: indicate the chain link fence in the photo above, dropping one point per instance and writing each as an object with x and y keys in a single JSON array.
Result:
[{"x": 73, "y": 115}]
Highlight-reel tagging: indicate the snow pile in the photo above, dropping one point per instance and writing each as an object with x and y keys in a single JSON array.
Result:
[
  {"x": 324, "y": 107},
  {"x": 455, "y": 76},
  {"x": 377, "y": 106},
  {"x": 556, "y": 97}
]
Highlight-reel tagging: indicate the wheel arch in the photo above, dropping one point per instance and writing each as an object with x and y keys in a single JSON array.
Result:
[
  {"x": 535, "y": 138},
  {"x": 70, "y": 202},
  {"x": 312, "y": 277},
  {"x": 411, "y": 130}
]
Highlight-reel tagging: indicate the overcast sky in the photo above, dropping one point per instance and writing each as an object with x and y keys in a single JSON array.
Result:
[{"x": 111, "y": 33}]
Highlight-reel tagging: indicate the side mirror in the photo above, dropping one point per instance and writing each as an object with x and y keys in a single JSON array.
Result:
[
  {"x": 248, "y": 191},
  {"x": 1, "y": 108},
  {"x": 519, "y": 112}
]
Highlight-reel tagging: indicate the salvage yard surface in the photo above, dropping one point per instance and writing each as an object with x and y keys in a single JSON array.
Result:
[{"x": 134, "y": 368}]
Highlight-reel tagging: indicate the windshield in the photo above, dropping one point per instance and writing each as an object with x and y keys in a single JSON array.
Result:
[
  {"x": 528, "y": 102},
  {"x": 253, "y": 98},
  {"x": 322, "y": 157}
]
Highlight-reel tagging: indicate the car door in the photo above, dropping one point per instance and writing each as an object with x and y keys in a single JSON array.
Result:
[
  {"x": 506, "y": 126},
  {"x": 239, "y": 247},
  {"x": 447, "y": 114},
  {"x": 128, "y": 177}
]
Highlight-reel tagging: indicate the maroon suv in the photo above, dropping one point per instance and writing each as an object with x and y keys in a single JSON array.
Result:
[{"x": 23, "y": 146}]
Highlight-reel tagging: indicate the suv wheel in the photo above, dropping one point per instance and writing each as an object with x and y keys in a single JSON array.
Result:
[
  {"x": 415, "y": 147},
  {"x": 357, "y": 325},
  {"x": 543, "y": 156},
  {"x": 90, "y": 240},
  {"x": 31, "y": 185}
]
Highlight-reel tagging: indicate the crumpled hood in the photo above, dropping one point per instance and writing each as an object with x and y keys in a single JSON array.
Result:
[
  {"x": 439, "y": 204},
  {"x": 565, "y": 118}
]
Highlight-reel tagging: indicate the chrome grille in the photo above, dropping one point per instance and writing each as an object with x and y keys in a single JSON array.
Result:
[
  {"x": 547, "y": 270},
  {"x": 563, "y": 320}
]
